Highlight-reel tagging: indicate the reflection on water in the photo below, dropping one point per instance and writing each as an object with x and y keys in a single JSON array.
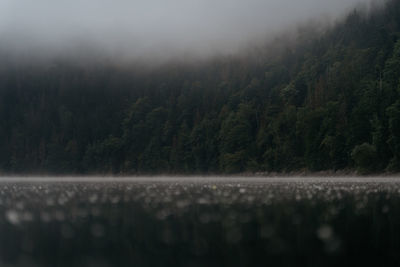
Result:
[{"x": 200, "y": 222}]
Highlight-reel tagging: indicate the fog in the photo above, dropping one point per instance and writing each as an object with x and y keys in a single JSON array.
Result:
[{"x": 156, "y": 28}]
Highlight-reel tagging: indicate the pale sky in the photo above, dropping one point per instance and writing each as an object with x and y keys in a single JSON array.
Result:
[{"x": 152, "y": 27}]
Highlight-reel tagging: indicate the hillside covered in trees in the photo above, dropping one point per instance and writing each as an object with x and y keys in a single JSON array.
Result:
[{"x": 328, "y": 100}]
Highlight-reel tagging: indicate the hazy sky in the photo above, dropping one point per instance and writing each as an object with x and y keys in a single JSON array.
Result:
[{"x": 154, "y": 26}]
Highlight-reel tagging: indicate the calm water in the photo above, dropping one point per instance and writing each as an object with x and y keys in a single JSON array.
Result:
[{"x": 200, "y": 222}]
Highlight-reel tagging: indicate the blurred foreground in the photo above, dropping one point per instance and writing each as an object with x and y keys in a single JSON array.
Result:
[{"x": 200, "y": 222}]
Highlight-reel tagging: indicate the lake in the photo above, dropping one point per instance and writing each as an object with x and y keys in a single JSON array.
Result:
[{"x": 199, "y": 221}]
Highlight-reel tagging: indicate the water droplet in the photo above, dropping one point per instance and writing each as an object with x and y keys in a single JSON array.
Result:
[
  {"x": 203, "y": 201},
  {"x": 59, "y": 215},
  {"x": 93, "y": 198},
  {"x": 20, "y": 205},
  {"x": 385, "y": 209},
  {"x": 50, "y": 202},
  {"x": 62, "y": 200},
  {"x": 182, "y": 204},
  {"x": 325, "y": 232},
  {"x": 45, "y": 217},
  {"x": 114, "y": 200},
  {"x": 12, "y": 216}
]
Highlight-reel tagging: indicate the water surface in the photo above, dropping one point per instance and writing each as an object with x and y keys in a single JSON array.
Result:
[{"x": 199, "y": 221}]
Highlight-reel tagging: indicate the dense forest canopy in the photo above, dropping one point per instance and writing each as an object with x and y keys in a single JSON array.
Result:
[{"x": 328, "y": 100}]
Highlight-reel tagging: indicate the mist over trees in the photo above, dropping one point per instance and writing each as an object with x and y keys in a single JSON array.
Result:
[
  {"x": 326, "y": 101},
  {"x": 155, "y": 30}
]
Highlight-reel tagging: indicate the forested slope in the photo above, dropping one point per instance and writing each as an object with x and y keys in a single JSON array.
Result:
[{"x": 327, "y": 101}]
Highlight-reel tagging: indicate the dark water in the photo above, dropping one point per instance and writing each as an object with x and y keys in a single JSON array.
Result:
[{"x": 200, "y": 222}]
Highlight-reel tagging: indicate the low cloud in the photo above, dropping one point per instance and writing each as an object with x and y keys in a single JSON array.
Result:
[{"x": 160, "y": 28}]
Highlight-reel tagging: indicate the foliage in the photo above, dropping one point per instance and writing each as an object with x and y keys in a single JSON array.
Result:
[{"x": 364, "y": 156}]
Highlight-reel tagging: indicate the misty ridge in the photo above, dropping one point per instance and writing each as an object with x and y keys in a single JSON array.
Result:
[
  {"x": 159, "y": 31},
  {"x": 199, "y": 87}
]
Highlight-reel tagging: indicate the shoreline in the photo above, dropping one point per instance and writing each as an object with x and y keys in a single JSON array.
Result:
[
  {"x": 259, "y": 176},
  {"x": 326, "y": 173}
]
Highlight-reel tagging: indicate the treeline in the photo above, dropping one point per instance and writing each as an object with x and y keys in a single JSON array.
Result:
[{"x": 330, "y": 101}]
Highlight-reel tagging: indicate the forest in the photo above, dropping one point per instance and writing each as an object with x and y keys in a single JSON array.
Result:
[{"x": 322, "y": 100}]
